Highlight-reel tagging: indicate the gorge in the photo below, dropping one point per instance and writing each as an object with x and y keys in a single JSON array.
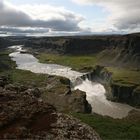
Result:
[
  {"x": 45, "y": 74},
  {"x": 95, "y": 92}
]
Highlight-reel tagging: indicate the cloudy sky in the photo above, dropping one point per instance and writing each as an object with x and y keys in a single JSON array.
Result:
[{"x": 68, "y": 17}]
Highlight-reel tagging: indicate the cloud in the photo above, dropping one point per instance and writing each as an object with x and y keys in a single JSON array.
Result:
[
  {"x": 23, "y": 30},
  {"x": 124, "y": 14},
  {"x": 51, "y": 20},
  {"x": 37, "y": 16}
]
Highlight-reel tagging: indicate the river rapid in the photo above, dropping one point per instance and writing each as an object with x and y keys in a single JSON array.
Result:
[{"x": 95, "y": 92}]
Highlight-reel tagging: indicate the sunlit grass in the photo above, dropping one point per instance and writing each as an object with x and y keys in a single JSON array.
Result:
[
  {"x": 112, "y": 129},
  {"x": 73, "y": 61},
  {"x": 125, "y": 76}
]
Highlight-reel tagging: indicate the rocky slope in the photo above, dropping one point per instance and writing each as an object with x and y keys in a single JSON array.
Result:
[
  {"x": 24, "y": 115},
  {"x": 58, "y": 93}
]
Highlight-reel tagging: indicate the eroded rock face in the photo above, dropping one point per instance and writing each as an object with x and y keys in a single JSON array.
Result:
[
  {"x": 125, "y": 93},
  {"x": 99, "y": 73},
  {"x": 69, "y": 128},
  {"x": 122, "y": 93},
  {"x": 61, "y": 96},
  {"x": 136, "y": 96},
  {"x": 23, "y": 115},
  {"x": 116, "y": 91}
]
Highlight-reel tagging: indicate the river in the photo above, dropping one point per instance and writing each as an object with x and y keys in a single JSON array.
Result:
[{"x": 95, "y": 92}]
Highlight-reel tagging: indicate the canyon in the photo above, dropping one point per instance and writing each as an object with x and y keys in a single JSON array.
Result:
[{"x": 92, "y": 73}]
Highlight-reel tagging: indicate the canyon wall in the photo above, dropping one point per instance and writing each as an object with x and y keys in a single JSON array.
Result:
[
  {"x": 112, "y": 49},
  {"x": 120, "y": 50},
  {"x": 115, "y": 90}
]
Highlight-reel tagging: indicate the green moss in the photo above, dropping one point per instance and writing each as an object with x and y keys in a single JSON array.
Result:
[
  {"x": 121, "y": 83},
  {"x": 73, "y": 61},
  {"x": 8, "y": 67},
  {"x": 111, "y": 129},
  {"x": 124, "y": 76},
  {"x": 28, "y": 78}
]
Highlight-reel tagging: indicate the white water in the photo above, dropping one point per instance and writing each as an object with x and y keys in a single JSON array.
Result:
[
  {"x": 29, "y": 62},
  {"x": 95, "y": 92}
]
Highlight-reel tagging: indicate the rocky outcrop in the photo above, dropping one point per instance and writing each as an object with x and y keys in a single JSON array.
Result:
[
  {"x": 60, "y": 95},
  {"x": 115, "y": 90},
  {"x": 136, "y": 96},
  {"x": 125, "y": 93},
  {"x": 99, "y": 74},
  {"x": 24, "y": 115}
]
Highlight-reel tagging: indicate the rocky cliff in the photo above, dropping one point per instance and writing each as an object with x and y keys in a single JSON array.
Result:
[
  {"x": 58, "y": 93},
  {"x": 24, "y": 115},
  {"x": 116, "y": 90},
  {"x": 112, "y": 49}
]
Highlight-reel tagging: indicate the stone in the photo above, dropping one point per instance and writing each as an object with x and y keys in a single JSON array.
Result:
[{"x": 24, "y": 117}]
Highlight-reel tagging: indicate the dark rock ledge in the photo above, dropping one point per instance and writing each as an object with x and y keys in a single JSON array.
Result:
[
  {"x": 115, "y": 90},
  {"x": 24, "y": 115}
]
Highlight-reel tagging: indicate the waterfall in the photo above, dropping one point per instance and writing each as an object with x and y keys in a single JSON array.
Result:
[{"x": 95, "y": 92}]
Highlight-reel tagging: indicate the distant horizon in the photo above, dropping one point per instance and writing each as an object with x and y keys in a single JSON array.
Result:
[
  {"x": 98, "y": 34},
  {"x": 76, "y": 35}
]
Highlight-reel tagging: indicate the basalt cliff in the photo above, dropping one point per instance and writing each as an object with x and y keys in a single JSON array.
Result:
[
  {"x": 116, "y": 90},
  {"x": 120, "y": 50}
]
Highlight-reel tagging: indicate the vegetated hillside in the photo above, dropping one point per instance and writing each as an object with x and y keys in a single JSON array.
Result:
[
  {"x": 112, "y": 49},
  {"x": 122, "y": 51}
]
